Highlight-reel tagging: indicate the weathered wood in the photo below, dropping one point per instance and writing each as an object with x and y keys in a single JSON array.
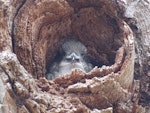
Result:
[{"x": 31, "y": 33}]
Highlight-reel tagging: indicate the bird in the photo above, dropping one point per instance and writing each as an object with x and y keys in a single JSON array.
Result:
[{"x": 74, "y": 57}]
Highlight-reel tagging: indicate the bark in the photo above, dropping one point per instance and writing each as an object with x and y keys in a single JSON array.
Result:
[{"x": 116, "y": 35}]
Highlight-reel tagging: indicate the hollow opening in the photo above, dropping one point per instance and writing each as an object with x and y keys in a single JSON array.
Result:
[
  {"x": 94, "y": 24},
  {"x": 96, "y": 29},
  {"x": 101, "y": 46}
]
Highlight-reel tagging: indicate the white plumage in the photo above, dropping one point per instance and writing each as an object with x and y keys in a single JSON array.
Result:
[{"x": 74, "y": 58}]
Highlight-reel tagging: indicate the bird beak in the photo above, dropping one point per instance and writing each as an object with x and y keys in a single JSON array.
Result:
[{"x": 73, "y": 61}]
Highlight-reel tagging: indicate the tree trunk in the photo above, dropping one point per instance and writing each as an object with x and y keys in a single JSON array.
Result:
[{"x": 116, "y": 36}]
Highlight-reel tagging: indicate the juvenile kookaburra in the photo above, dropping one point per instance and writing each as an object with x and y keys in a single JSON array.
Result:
[{"x": 74, "y": 58}]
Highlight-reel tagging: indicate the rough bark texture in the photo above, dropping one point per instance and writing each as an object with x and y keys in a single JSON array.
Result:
[
  {"x": 138, "y": 19},
  {"x": 31, "y": 33}
]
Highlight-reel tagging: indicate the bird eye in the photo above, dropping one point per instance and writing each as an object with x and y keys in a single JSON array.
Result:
[
  {"x": 68, "y": 59},
  {"x": 77, "y": 59},
  {"x": 73, "y": 57}
]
